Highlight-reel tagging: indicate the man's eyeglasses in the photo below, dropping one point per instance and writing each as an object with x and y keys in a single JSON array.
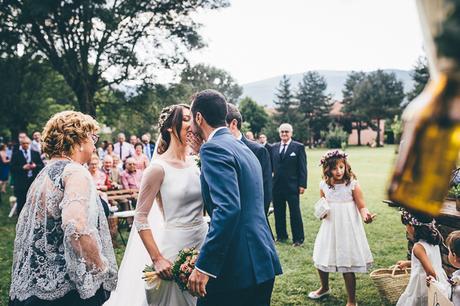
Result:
[
  {"x": 95, "y": 138},
  {"x": 285, "y": 132}
]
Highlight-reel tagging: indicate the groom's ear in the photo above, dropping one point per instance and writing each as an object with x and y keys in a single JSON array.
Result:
[{"x": 198, "y": 118}]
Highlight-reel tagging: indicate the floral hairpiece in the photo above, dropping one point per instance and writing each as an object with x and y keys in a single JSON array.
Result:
[
  {"x": 413, "y": 221},
  {"x": 331, "y": 154},
  {"x": 165, "y": 113}
]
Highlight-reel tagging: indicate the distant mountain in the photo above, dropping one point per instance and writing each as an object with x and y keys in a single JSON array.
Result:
[{"x": 263, "y": 92}]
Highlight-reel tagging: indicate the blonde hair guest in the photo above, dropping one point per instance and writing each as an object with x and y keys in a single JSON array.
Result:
[{"x": 63, "y": 253}]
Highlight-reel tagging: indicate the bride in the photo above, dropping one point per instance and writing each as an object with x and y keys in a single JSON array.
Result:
[{"x": 169, "y": 216}]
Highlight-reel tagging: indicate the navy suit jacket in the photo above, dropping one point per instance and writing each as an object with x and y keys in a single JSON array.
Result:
[
  {"x": 239, "y": 249},
  {"x": 264, "y": 159},
  {"x": 290, "y": 172}
]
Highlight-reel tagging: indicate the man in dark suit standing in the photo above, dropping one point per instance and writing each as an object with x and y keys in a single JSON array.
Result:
[
  {"x": 263, "y": 141},
  {"x": 238, "y": 257},
  {"x": 289, "y": 164},
  {"x": 25, "y": 165},
  {"x": 234, "y": 121}
]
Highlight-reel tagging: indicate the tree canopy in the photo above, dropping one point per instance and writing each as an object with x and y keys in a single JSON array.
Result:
[{"x": 97, "y": 43}]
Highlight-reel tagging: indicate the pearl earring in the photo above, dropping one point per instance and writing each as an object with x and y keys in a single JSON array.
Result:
[{"x": 81, "y": 149}]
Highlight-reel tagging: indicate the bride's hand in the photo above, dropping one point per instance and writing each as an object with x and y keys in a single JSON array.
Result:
[
  {"x": 194, "y": 141},
  {"x": 163, "y": 267}
]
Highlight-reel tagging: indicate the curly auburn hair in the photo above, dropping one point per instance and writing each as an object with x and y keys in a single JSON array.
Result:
[
  {"x": 332, "y": 162},
  {"x": 65, "y": 130}
]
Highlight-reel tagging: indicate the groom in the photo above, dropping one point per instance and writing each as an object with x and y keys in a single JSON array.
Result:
[{"x": 238, "y": 257}]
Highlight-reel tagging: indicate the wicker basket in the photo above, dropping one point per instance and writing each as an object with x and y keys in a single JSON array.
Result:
[{"x": 391, "y": 282}]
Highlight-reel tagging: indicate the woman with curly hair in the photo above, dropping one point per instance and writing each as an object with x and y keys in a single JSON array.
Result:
[{"x": 63, "y": 253}]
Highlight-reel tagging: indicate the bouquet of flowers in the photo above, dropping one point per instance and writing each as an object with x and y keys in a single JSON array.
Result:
[
  {"x": 181, "y": 270},
  {"x": 183, "y": 266}
]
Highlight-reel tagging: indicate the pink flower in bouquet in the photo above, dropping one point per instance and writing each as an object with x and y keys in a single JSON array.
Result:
[
  {"x": 183, "y": 277},
  {"x": 193, "y": 261},
  {"x": 184, "y": 267}
]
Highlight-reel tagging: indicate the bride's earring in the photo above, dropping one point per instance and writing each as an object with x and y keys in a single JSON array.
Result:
[{"x": 81, "y": 149}]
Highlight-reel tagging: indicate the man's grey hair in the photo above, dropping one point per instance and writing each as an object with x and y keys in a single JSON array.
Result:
[{"x": 285, "y": 127}]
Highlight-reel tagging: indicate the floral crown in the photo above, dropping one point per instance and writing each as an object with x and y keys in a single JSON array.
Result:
[
  {"x": 333, "y": 154},
  {"x": 166, "y": 113},
  {"x": 410, "y": 219}
]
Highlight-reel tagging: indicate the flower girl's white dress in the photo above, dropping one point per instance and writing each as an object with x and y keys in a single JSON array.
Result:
[{"x": 341, "y": 244}]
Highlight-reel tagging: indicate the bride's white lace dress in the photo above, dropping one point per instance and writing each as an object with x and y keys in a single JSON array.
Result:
[{"x": 183, "y": 226}]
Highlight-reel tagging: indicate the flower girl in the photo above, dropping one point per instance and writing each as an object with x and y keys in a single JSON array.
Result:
[
  {"x": 341, "y": 244},
  {"x": 425, "y": 260}
]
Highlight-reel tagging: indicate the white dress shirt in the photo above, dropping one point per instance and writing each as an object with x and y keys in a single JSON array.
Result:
[
  {"x": 282, "y": 145},
  {"x": 126, "y": 150}
]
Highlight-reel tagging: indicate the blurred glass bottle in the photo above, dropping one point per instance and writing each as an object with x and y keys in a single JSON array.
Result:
[{"x": 431, "y": 139}]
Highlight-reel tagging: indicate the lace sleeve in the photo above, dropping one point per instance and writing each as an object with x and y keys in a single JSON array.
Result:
[
  {"x": 150, "y": 186},
  {"x": 86, "y": 265},
  {"x": 353, "y": 184}
]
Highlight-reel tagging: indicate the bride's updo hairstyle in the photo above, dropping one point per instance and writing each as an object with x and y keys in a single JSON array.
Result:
[{"x": 170, "y": 118}]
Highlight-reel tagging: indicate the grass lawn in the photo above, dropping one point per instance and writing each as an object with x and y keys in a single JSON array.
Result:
[{"x": 386, "y": 236}]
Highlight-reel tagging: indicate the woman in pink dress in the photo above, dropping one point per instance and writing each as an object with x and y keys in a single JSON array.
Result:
[{"x": 142, "y": 161}]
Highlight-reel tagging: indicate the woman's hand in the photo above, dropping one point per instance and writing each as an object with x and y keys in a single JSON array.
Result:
[
  {"x": 163, "y": 268},
  {"x": 403, "y": 264},
  {"x": 194, "y": 141}
]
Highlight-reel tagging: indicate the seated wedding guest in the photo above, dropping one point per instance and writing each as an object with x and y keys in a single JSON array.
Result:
[
  {"x": 4, "y": 168},
  {"x": 112, "y": 174},
  {"x": 142, "y": 161},
  {"x": 109, "y": 150},
  {"x": 117, "y": 164},
  {"x": 63, "y": 252},
  {"x": 98, "y": 176},
  {"x": 130, "y": 178},
  {"x": 453, "y": 244}
]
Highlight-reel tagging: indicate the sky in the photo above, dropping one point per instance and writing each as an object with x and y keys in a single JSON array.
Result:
[{"x": 259, "y": 39}]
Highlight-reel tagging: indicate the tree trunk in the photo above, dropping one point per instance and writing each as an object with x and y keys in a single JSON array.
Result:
[
  {"x": 358, "y": 128},
  {"x": 85, "y": 98},
  {"x": 378, "y": 133}
]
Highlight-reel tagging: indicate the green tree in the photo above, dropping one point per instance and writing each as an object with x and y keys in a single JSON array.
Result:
[
  {"x": 420, "y": 75},
  {"x": 203, "y": 76},
  {"x": 254, "y": 114},
  {"x": 314, "y": 104},
  {"x": 88, "y": 39},
  {"x": 379, "y": 97},
  {"x": 30, "y": 92},
  {"x": 351, "y": 110},
  {"x": 285, "y": 105}
]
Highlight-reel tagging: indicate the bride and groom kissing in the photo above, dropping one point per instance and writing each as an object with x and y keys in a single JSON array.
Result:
[{"x": 238, "y": 262}]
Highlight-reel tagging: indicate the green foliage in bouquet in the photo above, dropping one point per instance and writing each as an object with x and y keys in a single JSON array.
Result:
[{"x": 183, "y": 266}]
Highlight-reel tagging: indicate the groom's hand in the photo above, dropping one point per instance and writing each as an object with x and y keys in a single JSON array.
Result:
[{"x": 197, "y": 283}]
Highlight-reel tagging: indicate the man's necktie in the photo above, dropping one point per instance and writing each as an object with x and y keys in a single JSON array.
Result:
[{"x": 283, "y": 151}]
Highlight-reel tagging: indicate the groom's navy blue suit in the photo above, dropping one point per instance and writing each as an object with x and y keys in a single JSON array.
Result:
[{"x": 239, "y": 251}]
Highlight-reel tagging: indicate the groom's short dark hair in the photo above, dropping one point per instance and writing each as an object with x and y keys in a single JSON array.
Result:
[{"x": 212, "y": 105}]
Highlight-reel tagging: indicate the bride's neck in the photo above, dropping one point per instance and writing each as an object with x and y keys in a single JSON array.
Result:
[{"x": 176, "y": 150}]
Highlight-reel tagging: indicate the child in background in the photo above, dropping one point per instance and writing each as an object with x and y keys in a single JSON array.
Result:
[
  {"x": 453, "y": 244},
  {"x": 341, "y": 244},
  {"x": 425, "y": 261}
]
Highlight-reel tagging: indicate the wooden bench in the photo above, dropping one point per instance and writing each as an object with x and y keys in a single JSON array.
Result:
[{"x": 120, "y": 218}]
